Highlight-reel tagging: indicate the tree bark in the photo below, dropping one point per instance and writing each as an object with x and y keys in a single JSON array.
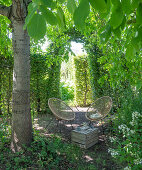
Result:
[{"x": 21, "y": 117}]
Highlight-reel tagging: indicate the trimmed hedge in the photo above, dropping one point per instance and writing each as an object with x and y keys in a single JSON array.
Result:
[{"x": 83, "y": 92}]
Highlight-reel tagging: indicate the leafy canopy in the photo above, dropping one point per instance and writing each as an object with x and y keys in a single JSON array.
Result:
[{"x": 118, "y": 15}]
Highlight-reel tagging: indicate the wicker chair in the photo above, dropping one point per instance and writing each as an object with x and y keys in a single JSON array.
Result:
[
  {"x": 61, "y": 110},
  {"x": 98, "y": 110}
]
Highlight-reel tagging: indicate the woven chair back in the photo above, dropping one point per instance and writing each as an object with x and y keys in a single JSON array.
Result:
[
  {"x": 60, "y": 109},
  {"x": 99, "y": 109}
]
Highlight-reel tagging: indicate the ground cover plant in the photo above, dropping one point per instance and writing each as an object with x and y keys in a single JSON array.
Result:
[{"x": 53, "y": 152}]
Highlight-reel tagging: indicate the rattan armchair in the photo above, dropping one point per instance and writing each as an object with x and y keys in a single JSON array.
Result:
[
  {"x": 98, "y": 110},
  {"x": 61, "y": 110}
]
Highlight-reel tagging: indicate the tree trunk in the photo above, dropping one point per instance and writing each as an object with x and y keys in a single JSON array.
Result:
[{"x": 21, "y": 117}]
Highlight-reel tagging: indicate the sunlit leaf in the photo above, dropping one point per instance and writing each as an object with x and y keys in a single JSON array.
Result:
[
  {"x": 61, "y": 18},
  {"x": 99, "y": 5},
  {"x": 135, "y": 43},
  {"x": 116, "y": 17},
  {"x": 139, "y": 84},
  {"x": 37, "y": 27},
  {"x": 61, "y": 1},
  {"x": 71, "y": 6},
  {"x": 81, "y": 13},
  {"x": 49, "y": 3},
  {"x": 130, "y": 51},
  {"x": 49, "y": 15},
  {"x": 105, "y": 35},
  {"x": 31, "y": 11}
]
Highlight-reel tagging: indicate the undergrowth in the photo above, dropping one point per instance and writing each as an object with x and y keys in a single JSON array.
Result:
[{"x": 52, "y": 153}]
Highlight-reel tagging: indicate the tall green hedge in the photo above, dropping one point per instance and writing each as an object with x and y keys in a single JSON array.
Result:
[
  {"x": 83, "y": 92},
  {"x": 6, "y": 72},
  {"x": 99, "y": 82},
  {"x": 45, "y": 80}
]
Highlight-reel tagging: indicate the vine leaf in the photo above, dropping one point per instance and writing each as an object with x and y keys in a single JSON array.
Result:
[
  {"x": 37, "y": 27},
  {"x": 71, "y": 6},
  {"x": 81, "y": 13}
]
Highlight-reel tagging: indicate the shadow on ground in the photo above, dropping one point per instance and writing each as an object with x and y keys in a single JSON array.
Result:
[{"x": 97, "y": 155}]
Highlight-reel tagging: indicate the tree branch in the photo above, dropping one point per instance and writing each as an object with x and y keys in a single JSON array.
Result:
[{"x": 5, "y": 10}]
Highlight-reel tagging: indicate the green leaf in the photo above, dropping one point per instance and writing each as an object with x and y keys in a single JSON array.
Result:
[
  {"x": 117, "y": 32},
  {"x": 130, "y": 52},
  {"x": 139, "y": 14},
  {"x": 104, "y": 14},
  {"x": 99, "y": 5},
  {"x": 126, "y": 6},
  {"x": 81, "y": 13},
  {"x": 116, "y": 17},
  {"x": 105, "y": 35},
  {"x": 61, "y": 18},
  {"x": 71, "y": 6},
  {"x": 49, "y": 3},
  {"x": 139, "y": 84},
  {"x": 31, "y": 11},
  {"x": 140, "y": 33},
  {"x": 37, "y": 27},
  {"x": 135, "y": 43},
  {"x": 122, "y": 26},
  {"x": 116, "y": 3},
  {"x": 134, "y": 4},
  {"x": 61, "y": 1},
  {"x": 49, "y": 15}
]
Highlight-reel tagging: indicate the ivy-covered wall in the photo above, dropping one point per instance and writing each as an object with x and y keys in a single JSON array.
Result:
[{"x": 83, "y": 92}]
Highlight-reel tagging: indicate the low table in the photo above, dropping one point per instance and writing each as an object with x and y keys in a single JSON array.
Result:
[{"x": 84, "y": 136}]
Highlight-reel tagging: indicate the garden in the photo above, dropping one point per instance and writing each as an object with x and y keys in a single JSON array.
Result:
[{"x": 38, "y": 62}]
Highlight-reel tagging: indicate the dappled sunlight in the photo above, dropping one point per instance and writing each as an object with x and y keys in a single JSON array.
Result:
[
  {"x": 88, "y": 158},
  {"x": 72, "y": 125}
]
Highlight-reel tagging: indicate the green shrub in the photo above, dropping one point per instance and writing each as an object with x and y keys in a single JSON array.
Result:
[
  {"x": 67, "y": 92},
  {"x": 128, "y": 127}
]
